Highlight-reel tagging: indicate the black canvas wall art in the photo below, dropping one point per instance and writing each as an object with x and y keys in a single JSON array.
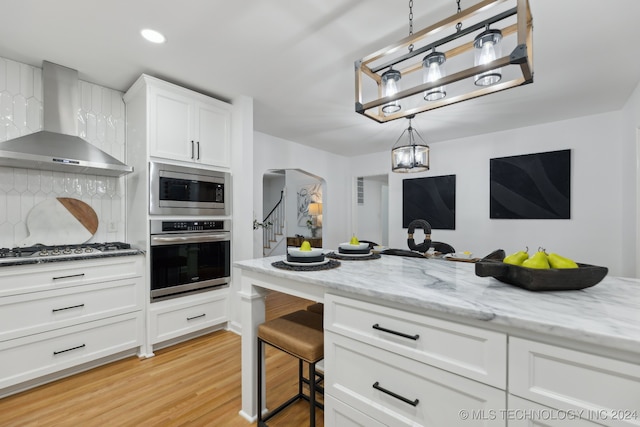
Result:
[
  {"x": 531, "y": 186},
  {"x": 432, "y": 199}
]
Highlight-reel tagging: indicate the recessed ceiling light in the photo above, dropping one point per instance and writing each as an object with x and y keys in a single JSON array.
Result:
[{"x": 153, "y": 36}]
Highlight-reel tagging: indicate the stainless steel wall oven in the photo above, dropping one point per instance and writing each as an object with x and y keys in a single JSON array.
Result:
[
  {"x": 177, "y": 190},
  {"x": 189, "y": 257}
]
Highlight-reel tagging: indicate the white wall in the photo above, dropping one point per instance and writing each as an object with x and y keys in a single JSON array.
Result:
[
  {"x": 370, "y": 215},
  {"x": 275, "y": 153},
  {"x": 601, "y": 230}
]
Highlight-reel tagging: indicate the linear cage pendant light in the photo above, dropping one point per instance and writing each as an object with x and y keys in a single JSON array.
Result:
[
  {"x": 410, "y": 153},
  {"x": 454, "y": 60}
]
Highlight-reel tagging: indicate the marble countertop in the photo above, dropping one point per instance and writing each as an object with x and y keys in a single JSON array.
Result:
[{"x": 606, "y": 314}]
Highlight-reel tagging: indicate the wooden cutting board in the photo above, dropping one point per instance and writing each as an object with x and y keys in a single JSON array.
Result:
[{"x": 60, "y": 221}]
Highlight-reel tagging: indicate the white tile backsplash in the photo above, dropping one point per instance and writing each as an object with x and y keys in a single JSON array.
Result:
[{"x": 100, "y": 122}]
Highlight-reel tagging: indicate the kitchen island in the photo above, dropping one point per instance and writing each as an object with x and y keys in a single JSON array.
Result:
[{"x": 567, "y": 351}]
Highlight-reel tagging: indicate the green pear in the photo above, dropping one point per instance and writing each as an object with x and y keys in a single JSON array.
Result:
[
  {"x": 558, "y": 261},
  {"x": 306, "y": 246},
  {"x": 538, "y": 260},
  {"x": 516, "y": 258}
]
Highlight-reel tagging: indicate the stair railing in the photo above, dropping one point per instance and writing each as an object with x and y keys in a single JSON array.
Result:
[{"x": 275, "y": 219}]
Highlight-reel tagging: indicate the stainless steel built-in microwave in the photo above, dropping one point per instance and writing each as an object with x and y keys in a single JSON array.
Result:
[{"x": 178, "y": 190}]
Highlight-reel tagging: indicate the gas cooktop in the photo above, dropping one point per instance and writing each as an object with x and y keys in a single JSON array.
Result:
[{"x": 43, "y": 253}]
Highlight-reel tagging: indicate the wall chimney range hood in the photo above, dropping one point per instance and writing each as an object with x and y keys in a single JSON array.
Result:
[{"x": 57, "y": 147}]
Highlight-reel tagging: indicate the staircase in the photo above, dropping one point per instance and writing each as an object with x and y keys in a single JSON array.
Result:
[{"x": 273, "y": 234}]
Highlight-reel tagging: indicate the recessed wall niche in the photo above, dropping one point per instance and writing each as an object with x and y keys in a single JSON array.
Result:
[{"x": 531, "y": 186}]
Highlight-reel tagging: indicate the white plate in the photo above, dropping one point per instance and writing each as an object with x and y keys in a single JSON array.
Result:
[
  {"x": 298, "y": 253},
  {"x": 349, "y": 246},
  {"x": 458, "y": 255},
  {"x": 354, "y": 255},
  {"x": 308, "y": 264}
]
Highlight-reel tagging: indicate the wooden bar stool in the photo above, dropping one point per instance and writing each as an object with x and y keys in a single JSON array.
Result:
[
  {"x": 301, "y": 335},
  {"x": 317, "y": 307}
]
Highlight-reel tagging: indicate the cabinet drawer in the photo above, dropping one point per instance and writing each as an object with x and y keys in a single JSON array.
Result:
[
  {"x": 26, "y": 358},
  {"x": 365, "y": 378},
  {"x": 28, "y": 314},
  {"x": 337, "y": 414},
  {"x": 572, "y": 380},
  {"x": 471, "y": 352},
  {"x": 181, "y": 316},
  {"x": 55, "y": 275},
  {"x": 524, "y": 413}
]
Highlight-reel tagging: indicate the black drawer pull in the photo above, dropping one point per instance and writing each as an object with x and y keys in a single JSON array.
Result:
[
  {"x": 411, "y": 337},
  {"x": 69, "y": 349},
  {"x": 193, "y": 150},
  {"x": 196, "y": 317},
  {"x": 67, "y": 308},
  {"x": 376, "y": 385},
  {"x": 68, "y": 277}
]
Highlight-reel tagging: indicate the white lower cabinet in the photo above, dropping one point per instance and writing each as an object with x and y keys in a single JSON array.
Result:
[
  {"x": 336, "y": 413},
  {"x": 33, "y": 356},
  {"x": 604, "y": 390},
  {"x": 389, "y": 365},
  {"x": 524, "y": 413},
  {"x": 398, "y": 391},
  {"x": 180, "y": 317},
  {"x": 60, "y": 315}
]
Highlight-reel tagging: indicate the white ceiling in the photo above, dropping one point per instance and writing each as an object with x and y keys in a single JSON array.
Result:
[{"x": 295, "y": 58}]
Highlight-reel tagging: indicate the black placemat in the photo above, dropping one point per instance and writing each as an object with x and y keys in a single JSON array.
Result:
[
  {"x": 328, "y": 266},
  {"x": 345, "y": 257}
]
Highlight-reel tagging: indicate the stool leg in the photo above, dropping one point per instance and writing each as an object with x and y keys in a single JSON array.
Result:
[
  {"x": 259, "y": 384},
  {"x": 300, "y": 377},
  {"x": 312, "y": 394}
]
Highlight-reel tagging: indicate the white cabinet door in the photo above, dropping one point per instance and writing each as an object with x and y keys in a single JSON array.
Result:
[
  {"x": 570, "y": 380},
  {"x": 524, "y": 413},
  {"x": 212, "y": 129},
  {"x": 189, "y": 127},
  {"x": 171, "y": 119},
  {"x": 398, "y": 391}
]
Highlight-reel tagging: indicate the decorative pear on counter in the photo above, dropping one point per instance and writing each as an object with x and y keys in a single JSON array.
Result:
[
  {"x": 558, "y": 261},
  {"x": 305, "y": 246},
  {"x": 538, "y": 260},
  {"x": 517, "y": 258}
]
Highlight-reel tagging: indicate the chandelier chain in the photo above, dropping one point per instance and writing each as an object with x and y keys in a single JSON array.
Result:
[
  {"x": 411, "y": 23},
  {"x": 459, "y": 24}
]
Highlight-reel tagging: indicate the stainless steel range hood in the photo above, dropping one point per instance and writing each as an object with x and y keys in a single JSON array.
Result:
[{"x": 57, "y": 147}]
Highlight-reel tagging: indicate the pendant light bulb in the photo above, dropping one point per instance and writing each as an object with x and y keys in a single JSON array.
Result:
[
  {"x": 432, "y": 71},
  {"x": 488, "y": 48},
  {"x": 390, "y": 87}
]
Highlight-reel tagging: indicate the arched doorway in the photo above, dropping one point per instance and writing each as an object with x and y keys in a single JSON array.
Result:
[{"x": 292, "y": 202}]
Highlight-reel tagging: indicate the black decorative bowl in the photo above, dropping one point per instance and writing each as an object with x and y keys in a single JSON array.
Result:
[{"x": 534, "y": 279}]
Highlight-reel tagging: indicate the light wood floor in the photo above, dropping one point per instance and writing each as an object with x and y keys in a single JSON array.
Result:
[{"x": 196, "y": 383}]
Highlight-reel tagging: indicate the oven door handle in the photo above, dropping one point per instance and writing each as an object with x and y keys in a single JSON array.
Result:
[{"x": 159, "y": 240}]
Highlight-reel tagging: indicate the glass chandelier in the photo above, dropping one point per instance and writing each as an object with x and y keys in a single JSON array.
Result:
[{"x": 410, "y": 153}]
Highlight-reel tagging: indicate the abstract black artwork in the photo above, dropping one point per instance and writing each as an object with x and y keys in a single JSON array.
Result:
[
  {"x": 531, "y": 186},
  {"x": 432, "y": 199}
]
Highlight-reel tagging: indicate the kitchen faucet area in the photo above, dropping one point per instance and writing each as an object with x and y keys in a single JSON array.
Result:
[{"x": 204, "y": 229}]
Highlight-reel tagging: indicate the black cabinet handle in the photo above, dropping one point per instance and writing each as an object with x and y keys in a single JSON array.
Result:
[
  {"x": 67, "y": 308},
  {"x": 411, "y": 337},
  {"x": 193, "y": 149},
  {"x": 196, "y": 317},
  {"x": 376, "y": 385},
  {"x": 68, "y": 277},
  {"x": 69, "y": 349},
  {"x": 198, "y": 147}
]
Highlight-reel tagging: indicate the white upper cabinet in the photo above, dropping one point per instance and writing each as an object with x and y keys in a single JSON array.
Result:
[{"x": 184, "y": 125}]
